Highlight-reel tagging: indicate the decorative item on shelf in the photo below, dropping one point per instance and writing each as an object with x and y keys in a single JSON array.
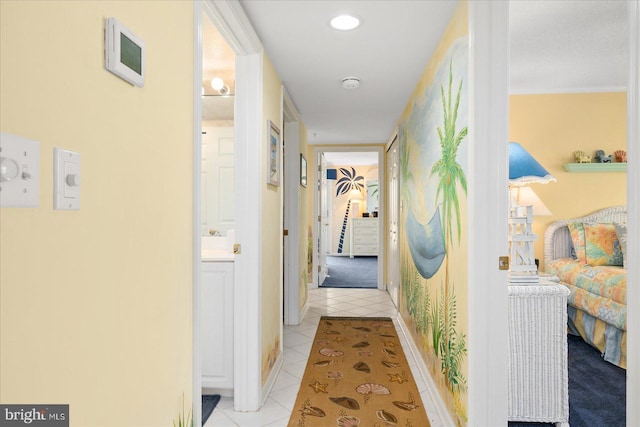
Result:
[
  {"x": 602, "y": 158},
  {"x": 582, "y": 157},
  {"x": 524, "y": 170},
  {"x": 621, "y": 156},
  {"x": 365, "y": 214}
]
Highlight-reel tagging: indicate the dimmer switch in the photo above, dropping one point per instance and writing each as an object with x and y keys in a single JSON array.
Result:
[{"x": 66, "y": 180}]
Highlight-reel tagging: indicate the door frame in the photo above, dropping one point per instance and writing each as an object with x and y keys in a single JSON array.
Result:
[
  {"x": 232, "y": 23},
  {"x": 380, "y": 149},
  {"x": 292, "y": 210},
  {"x": 633, "y": 214}
]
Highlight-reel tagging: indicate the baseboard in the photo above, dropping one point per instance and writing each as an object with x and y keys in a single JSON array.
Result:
[
  {"x": 441, "y": 408},
  {"x": 273, "y": 375},
  {"x": 304, "y": 311}
]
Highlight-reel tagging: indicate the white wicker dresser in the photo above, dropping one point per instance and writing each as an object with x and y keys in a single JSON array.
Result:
[{"x": 538, "y": 378}]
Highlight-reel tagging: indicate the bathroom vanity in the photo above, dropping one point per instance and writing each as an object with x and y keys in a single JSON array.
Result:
[{"x": 216, "y": 328}]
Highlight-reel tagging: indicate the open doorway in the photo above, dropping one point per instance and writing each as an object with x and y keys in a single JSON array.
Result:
[{"x": 349, "y": 203}]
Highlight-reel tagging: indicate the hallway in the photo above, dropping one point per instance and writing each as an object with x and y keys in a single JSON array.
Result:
[{"x": 297, "y": 343}]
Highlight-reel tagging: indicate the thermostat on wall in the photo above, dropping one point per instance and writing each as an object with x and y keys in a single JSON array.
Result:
[{"x": 124, "y": 53}]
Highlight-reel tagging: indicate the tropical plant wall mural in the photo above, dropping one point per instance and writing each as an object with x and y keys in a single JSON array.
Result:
[{"x": 433, "y": 248}]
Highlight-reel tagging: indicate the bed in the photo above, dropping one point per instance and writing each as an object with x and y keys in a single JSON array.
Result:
[{"x": 587, "y": 254}]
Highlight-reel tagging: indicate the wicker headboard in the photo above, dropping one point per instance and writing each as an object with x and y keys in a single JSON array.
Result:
[{"x": 557, "y": 240}]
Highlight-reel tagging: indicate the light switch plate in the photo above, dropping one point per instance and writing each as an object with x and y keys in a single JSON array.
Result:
[
  {"x": 19, "y": 172},
  {"x": 66, "y": 180}
]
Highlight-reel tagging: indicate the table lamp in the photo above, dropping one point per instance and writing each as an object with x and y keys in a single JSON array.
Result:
[{"x": 523, "y": 170}]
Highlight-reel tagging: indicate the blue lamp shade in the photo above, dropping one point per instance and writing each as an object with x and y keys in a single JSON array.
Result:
[{"x": 524, "y": 169}]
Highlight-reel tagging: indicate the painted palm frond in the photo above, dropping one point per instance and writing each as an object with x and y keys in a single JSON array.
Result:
[
  {"x": 348, "y": 182},
  {"x": 451, "y": 345},
  {"x": 447, "y": 168}
]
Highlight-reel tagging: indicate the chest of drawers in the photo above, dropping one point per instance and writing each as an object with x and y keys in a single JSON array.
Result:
[{"x": 364, "y": 237}]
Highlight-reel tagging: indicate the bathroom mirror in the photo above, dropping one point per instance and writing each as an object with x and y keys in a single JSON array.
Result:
[
  {"x": 218, "y": 95},
  {"x": 373, "y": 195}
]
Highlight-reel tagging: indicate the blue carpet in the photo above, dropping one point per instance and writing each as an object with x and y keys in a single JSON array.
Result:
[
  {"x": 597, "y": 389},
  {"x": 358, "y": 272},
  {"x": 209, "y": 402}
]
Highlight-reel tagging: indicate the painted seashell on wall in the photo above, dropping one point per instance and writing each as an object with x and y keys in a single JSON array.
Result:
[
  {"x": 345, "y": 402},
  {"x": 322, "y": 363}
]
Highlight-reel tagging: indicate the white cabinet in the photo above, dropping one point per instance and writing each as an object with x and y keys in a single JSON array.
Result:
[
  {"x": 216, "y": 328},
  {"x": 538, "y": 378},
  {"x": 364, "y": 237}
]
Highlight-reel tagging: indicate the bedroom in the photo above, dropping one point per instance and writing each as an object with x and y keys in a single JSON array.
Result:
[{"x": 552, "y": 125}]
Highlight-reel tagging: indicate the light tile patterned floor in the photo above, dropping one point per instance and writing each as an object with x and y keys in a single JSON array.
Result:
[{"x": 297, "y": 343}]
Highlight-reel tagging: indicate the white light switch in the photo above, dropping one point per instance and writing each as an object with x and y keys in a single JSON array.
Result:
[
  {"x": 66, "y": 180},
  {"x": 19, "y": 172}
]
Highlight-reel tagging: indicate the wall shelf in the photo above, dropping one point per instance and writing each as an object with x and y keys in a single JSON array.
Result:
[{"x": 595, "y": 167}]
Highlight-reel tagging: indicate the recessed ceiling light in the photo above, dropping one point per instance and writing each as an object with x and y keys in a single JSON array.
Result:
[
  {"x": 351, "y": 83},
  {"x": 345, "y": 22}
]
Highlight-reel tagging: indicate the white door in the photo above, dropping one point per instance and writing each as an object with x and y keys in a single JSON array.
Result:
[
  {"x": 218, "y": 198},
  {"x": 324, "y": 218},
  {"x": 393, "y": 208}
]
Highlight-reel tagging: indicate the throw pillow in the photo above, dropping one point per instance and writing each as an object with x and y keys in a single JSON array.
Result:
[
  {"x": 602, "y": 244},
  {"x": 621, "y": 233},
  {"x": 577, "y": 238}
]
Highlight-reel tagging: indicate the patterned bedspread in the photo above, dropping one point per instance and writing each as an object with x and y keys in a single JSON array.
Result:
[{"x": 599, "y": 291}]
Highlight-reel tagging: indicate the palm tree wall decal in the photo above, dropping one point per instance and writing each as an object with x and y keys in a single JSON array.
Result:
[{"x": 348, "y": 182}]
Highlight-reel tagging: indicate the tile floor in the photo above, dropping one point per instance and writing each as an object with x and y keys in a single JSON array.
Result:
[{"x": 297, "y": 344}]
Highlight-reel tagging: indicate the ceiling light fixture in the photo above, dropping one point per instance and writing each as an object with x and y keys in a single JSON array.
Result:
[
  {"x": 351, "y": 83},
  {"x": 345, "y": 22},
  {"x": 217, "y": 83}
]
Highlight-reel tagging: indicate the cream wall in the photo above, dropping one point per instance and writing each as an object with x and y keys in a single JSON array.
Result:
[
  {"x": 271, "y": 229},
  {"x": 95, "y": 304},
  {"x": 551, "y": 128},
  {"x": 305, "y": 207}
]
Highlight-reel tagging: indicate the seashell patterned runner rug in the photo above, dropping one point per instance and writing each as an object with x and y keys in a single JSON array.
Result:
[{"x": 357, "y": 375}]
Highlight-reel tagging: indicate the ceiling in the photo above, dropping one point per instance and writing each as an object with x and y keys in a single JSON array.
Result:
[{"x": 556, "y": 46}]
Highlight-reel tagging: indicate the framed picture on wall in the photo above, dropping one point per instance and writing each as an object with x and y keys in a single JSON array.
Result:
[
  {"x": 273, "y": 159},
  {"x": 303, "y": 171}
]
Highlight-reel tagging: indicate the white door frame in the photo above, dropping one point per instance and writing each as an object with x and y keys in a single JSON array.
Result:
[
  {"x": 232, "y": 23},
  {"x": 380, "y": 149},
  {"x": 633, "y": 215},
  {"x": 292, "y": 311},
  {"x": 487, "y": 190}
]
